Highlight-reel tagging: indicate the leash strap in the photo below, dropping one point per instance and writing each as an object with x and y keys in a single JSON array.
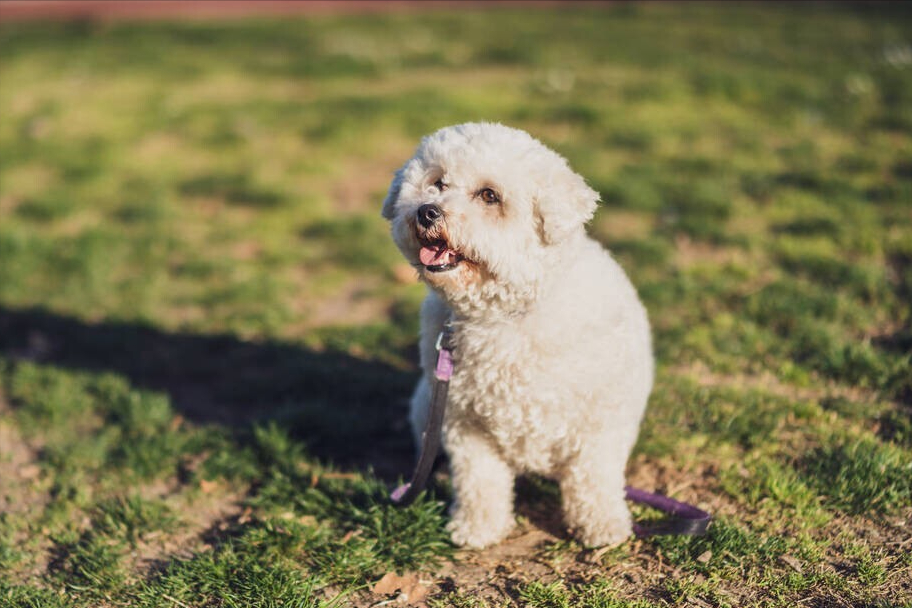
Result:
[
  {"x": 405, "y": 494},
  {"x": 682, "y": 518}
]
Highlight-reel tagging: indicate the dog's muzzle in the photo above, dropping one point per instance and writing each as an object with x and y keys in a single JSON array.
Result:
[{"x": 435, "y": 253}]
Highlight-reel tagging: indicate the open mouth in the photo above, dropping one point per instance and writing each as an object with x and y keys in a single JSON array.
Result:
[{"x": 436, "y": 256}]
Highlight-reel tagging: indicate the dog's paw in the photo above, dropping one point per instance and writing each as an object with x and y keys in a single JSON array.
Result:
[
  {"x": 478, "y": 534},
  {"x": 610, "y": 532}
]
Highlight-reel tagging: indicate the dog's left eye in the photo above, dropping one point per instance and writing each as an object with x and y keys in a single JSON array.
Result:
[
  {"x": 440, "y": 185},
  {"x": 489, "y": 196}
]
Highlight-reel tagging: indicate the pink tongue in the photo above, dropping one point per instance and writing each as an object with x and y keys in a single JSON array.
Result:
[{"x": 436, "y": 255}]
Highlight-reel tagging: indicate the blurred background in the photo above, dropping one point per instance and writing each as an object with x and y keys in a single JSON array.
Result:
[
  {"x": 190, "y": 196},
  {"x": 212, "y": 175}
]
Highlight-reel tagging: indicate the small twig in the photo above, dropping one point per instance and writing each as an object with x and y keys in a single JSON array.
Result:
[{"x": 175, "y": 600}]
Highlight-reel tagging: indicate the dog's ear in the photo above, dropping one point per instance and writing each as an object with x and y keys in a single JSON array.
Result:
[
  {"x": 393, "y": 195},
  {"x": 564, "y": 205}
]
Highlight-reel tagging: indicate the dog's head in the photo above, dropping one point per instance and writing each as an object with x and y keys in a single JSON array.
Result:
[{"x": 481, "y": 207}]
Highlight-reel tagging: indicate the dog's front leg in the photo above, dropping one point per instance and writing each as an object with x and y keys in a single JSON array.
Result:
[
  {"x": 592, "y": 491},
  {"x": 482, "y": 513}
]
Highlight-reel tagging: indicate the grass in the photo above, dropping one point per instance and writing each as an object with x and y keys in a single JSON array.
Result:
[{"x": 207, "y": 339}]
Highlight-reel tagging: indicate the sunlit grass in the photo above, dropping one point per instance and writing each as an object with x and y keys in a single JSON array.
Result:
[{"x": 207, "y": 338}]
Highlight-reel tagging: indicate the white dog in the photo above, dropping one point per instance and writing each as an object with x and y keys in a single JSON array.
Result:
[{"x": 553, "y": 356}]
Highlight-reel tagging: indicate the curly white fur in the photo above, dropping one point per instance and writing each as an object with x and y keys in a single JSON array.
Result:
[{"x": 552, "y": 350}]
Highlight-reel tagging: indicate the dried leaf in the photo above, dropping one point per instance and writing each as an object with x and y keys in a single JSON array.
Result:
[
  {"x": 414, "y": 593},
  {"x": 705, "y": 556},
  {"x": 411, "y": 588},
  {"x": 791, "y": 562},
  {"x": 388, "y": 584}
]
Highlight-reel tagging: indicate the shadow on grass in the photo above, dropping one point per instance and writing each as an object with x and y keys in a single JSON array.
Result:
[{"x": 350, "y": 412}]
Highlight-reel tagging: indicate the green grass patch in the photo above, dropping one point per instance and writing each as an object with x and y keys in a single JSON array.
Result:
[
  {"x": 860, "y": 476},
  {"x": 208, "y": 339}
]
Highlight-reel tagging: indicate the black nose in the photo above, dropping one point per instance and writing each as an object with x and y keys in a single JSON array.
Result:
[{"x": 429, "y": 214}]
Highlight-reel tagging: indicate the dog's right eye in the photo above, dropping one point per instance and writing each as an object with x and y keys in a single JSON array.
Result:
[
  {"x": 489, "y": 196},
  {"x": 440, "y": 185}
]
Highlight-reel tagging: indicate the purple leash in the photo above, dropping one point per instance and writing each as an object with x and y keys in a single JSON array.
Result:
[
  {"x": 405, "y": 494},
  {"x": 682, "y": 518}
]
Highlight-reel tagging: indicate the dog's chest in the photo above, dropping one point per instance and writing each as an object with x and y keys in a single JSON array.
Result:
[{"x": 505, "y": 387}]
